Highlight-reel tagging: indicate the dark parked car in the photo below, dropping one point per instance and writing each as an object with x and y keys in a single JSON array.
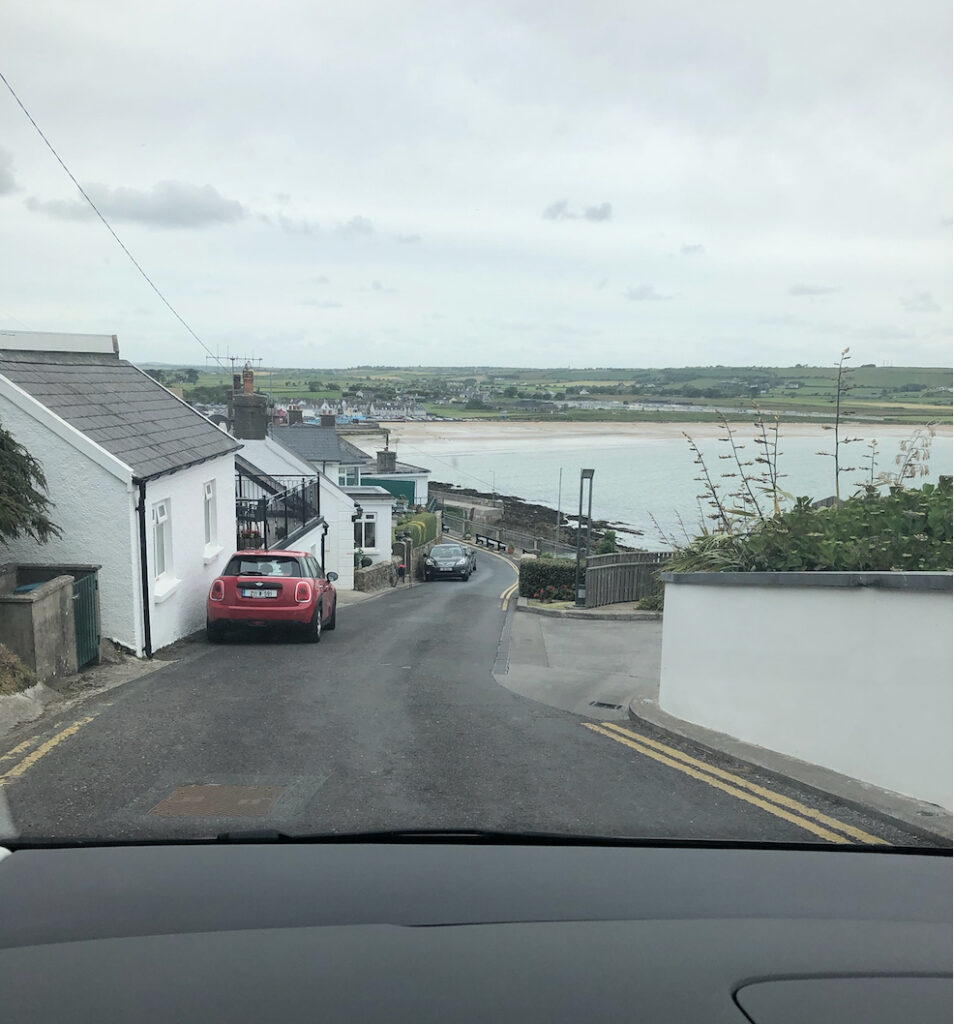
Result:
[
  {"x": 272, "y": 588},
  {"x": 450, "y": 560}
]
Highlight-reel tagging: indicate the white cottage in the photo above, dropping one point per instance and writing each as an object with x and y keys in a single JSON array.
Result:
[{"x": 141, "y": 483}]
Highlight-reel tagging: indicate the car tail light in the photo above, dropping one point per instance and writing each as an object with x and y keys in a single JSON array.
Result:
[
  {"x": 302, "y": 593},
  {"x": 217, "y": 593}
]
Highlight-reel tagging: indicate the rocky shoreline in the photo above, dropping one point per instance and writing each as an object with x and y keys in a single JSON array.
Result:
[{"x": 539, "y": 520}]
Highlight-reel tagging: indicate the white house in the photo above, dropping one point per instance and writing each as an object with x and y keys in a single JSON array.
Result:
[
  {"x": 141, "y": 483},
  {"x": 265, "y": 466}
]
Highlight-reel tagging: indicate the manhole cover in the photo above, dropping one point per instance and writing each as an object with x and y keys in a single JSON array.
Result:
[
  {"x": 603, "y": 704},
  {"x": 218, "y": 802}
]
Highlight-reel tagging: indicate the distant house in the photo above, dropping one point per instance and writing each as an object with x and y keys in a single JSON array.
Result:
[
  {"x": 402, "y": 479},
  {"x": 320, "y": 445},
  {"x": 142, "y": 484}
]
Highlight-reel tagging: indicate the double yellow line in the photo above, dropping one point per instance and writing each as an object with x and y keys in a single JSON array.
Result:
[
  {"x": 508, "y": 594},
  {"x": 30, "y": 759},
  {"x": 793, "y": 811}
]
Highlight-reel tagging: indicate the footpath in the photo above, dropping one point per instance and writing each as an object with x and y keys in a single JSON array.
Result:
[{"x": 604, "y": 663}]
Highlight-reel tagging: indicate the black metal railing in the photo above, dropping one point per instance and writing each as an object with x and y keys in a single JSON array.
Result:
[{"x": 268, "y": 522}]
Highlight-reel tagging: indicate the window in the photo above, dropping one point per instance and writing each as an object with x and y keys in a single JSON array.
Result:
[
  {"x": 209, "y": 512},
  {"x": 348, "y": 476},
  {"x": 365, "y": 531},
  {"x": 161, "y": 539}
]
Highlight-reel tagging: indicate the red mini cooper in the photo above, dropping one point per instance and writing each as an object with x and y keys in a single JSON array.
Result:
[{"x": 272, "y": 588}]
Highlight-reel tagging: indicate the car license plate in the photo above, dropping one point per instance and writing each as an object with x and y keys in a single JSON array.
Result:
[{"x": 259, "y": 593}]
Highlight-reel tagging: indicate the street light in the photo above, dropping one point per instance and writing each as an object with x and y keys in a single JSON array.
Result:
[{"x": 579, "y": 586}]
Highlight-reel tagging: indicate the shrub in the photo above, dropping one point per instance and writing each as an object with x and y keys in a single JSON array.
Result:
[
  {"x": 538, "y": 573},
  {"x": 554, "y": 592},
  {"x": 871, "y": 532},
  {"x": 607, "y": 546},
  {"x": 652, "y": 603},
  {"x": 422, "y": 526}
]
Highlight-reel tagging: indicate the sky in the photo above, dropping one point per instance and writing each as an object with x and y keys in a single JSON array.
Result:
[{"x": 497, "y": 183}]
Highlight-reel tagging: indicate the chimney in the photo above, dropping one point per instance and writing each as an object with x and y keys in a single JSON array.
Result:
[
  {"x": 249, "y": 416},
  {"x": 294, "y": 416},
  {"x": 236, "y": 382},
  {"x": 248, "y": 380},
  {"x": 327, "y": 419},
  {"x": 387, "y": 461}
]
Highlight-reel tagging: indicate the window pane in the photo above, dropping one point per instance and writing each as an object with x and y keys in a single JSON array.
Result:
[{"x": 369, "y": 534}]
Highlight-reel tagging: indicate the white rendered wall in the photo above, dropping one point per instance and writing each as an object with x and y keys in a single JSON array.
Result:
[
  {"x": 95, "y": 511},
  {"x": 856, "y": 679}
]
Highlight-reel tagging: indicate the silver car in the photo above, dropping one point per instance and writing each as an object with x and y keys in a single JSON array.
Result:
[{"x": 447, "y": 561}]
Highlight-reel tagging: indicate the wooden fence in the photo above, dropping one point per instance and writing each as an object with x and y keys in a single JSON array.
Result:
[{"x": 623, "y": 576}]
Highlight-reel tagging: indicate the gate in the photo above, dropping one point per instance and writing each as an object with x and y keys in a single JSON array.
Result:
[{"x": 86, "y": 618}]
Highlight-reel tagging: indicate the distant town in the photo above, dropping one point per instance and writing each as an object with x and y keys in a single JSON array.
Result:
[{"x": 897, "y": 394}]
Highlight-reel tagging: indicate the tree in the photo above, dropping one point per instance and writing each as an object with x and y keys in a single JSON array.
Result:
[
  {"x": 192, "y": 376},
  {"x": 23, "y": 505}
]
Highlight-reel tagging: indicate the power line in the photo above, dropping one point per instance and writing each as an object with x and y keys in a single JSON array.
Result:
[{"x": 106, "y": 223}]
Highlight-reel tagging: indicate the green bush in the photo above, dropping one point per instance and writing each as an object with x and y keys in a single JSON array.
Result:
[
  {"x": 871, "y": 532},
  {"x": 537, "y": 574},
  {"x": 422, "y": 526}
]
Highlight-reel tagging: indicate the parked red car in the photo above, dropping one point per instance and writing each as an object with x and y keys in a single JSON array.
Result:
[{"x": 272, "y": 588}]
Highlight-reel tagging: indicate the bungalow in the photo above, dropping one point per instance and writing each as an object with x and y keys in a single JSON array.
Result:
[{"x": 141, "y": 483}]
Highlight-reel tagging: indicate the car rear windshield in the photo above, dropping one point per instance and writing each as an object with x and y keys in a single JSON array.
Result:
[
  {"x": 447, "y": 551},
  {"x": 262, "y": 565}
]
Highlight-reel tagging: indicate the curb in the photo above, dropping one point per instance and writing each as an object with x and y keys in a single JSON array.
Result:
[
  {"x": 907, "y": 813},
  {"x": 571, "y": 613}
]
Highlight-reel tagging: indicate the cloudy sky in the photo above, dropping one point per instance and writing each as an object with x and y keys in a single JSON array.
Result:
[{"x": 521, "y": 183}]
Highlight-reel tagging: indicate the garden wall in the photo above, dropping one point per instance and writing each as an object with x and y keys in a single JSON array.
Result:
[{"x": 850, "y": 671}]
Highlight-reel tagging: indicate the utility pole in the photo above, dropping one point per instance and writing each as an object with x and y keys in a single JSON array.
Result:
[
  {"x": 586, "y": 479},
  {"x": 559, "y": 517}
]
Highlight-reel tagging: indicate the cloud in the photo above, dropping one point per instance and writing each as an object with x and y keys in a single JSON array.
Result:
[
  {"x": 920, "y": 302},
  {"x": 168, "y": 204},
  {"x": 61, "y": 209},
  {"x": 8, "y": 183},
  {"x": 357, "y": 227},
  {"x": 785, "y": 320},
  {"x": 602, "y": 212},
  {"x": 322, "y": 303},
  {"x": 692, "y": 250},
  {"x": 408, "y": 239},
  {"x": 560, "y": 210},
  {"x": 812, "y": 289},
  {"x": 644, "y": 293},
  {"x": 291, "y": 226}
]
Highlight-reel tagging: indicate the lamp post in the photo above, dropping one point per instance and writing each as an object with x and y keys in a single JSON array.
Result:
[{"x": 579, "y": 586}]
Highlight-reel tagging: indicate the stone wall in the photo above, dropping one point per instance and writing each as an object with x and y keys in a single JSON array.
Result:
[{"x": 374, "y": 577}]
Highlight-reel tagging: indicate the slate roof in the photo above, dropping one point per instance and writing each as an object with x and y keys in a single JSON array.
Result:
[
  {"x": 119, "y": 407},
  {"x": 318, "y": 444}
]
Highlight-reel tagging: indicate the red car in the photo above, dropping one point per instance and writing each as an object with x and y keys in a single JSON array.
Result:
[{"x": 272, "y": 588}]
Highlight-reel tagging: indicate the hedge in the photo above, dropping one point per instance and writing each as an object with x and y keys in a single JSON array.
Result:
[
  {"x": 422, "y": 527},
  {"x": 537, "y": 573}
]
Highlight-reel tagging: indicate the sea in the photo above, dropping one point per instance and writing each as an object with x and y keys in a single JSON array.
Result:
[{"x": 648, "y": 486}]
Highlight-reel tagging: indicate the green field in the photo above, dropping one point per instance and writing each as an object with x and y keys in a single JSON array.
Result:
[{"x": 895, "y": 393}]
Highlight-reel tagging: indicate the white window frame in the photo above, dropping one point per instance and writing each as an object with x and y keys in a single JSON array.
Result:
[
  {"x": 209, "y": 516},
  {"x": 161, "y": 540},
  {"x": 346, "y": 472},
  {"x": 360, "y": 530}
]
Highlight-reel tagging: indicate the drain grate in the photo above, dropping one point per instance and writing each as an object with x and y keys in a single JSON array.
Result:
[{"x": 603, "y": 704}]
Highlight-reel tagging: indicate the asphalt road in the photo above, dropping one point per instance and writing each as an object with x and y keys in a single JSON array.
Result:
[{"x": 393, "y": 721}]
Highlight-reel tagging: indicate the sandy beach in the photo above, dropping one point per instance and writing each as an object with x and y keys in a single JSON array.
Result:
[{"x": 527, "y": 432}]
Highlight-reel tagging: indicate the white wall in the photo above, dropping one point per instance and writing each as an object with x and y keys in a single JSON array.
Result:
[
  {"x": 381, "y": 506},
  {"x": 855, "y": 679},
  {"x": 337, "y": 508},
  {"x": 94, "y": 509},
  {"x": 178, "y": 607}
]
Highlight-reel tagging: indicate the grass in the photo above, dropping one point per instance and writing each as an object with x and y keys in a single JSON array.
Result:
[{"x": 14, "y": 675}]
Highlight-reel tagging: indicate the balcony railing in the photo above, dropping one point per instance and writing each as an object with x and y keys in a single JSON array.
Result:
[{"x": 269, "y": 522}]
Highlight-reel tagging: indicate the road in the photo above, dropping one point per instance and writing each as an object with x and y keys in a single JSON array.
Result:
[{"x": 394, "y": 720}]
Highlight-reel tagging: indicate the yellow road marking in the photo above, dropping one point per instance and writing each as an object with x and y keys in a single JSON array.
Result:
[
  {"x": 769, "y": 794},
  {"x": 711, "y": 780},
  {"x": 41, "y": 751},
  {"x": 507, "y": 594},
  {"x": 19, "y": 748}
]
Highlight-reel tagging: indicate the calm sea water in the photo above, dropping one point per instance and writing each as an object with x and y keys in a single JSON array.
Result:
[{"x": 638, "y": 478}]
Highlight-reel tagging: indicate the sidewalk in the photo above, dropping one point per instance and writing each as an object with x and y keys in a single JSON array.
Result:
[{"x": 628, "y": 611}]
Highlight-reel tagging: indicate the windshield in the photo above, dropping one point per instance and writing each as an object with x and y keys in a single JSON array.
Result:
[{"x": 497, "y": 416}]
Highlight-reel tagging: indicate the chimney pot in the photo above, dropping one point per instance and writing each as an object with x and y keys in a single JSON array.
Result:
[{"x": 248, "y": 380}]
